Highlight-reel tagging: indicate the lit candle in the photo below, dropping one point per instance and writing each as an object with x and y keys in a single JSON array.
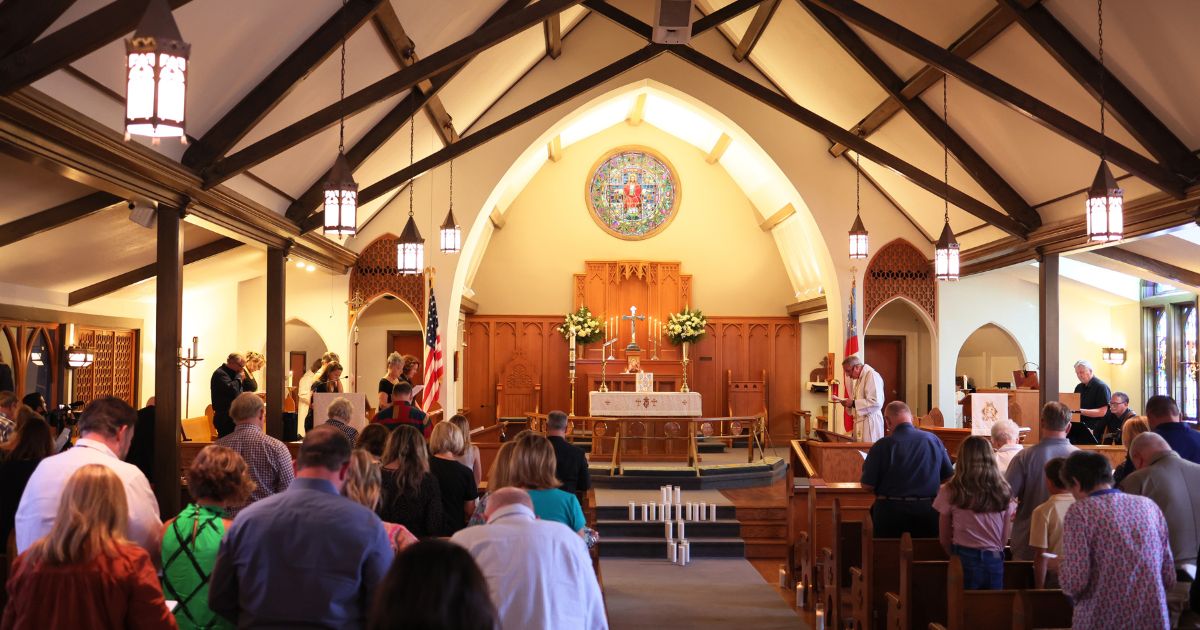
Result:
[
  {"x": 799, "y": 596},
  {"x": 819, "y": 621},
  {"x": 782, "y": 576},
  {"x": 672, "y": 551},
  {"x": 686, "y": 552},
  {"x": 632, "y": 511}
]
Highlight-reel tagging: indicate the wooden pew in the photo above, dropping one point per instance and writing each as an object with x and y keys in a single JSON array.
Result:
[
  {"x": 951, "y": 437},
  {"x": 836, "y": 462},
  {"x": 982, "y": 609},
  {"x": 854, "y": 504},
  {"x": 835, "y": 561},
  {"x": 879, "y": 573},
  {"x": 1041, "y": 609},
  {"x": 922, "y": 598},
  {"x": 1115, "y": 454}
]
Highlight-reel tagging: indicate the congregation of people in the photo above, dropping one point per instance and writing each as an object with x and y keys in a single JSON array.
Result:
[
  {"x": 1121, "y": 544},
  {"x": 378, "y": 528}
]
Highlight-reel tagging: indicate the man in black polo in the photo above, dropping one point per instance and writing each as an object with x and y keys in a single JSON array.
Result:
[
  {"x": 1109, "y": 431},
  {"x": 905, "y": 469},
  {"x": 1094, "y": 396},
  {"x": 572, "y": 465},
  {"x": 225, "y": 385}
]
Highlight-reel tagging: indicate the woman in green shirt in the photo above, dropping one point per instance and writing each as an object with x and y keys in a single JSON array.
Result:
[
  {"x": 217, "y": 479},
  {"x": 531, "y": 465}
]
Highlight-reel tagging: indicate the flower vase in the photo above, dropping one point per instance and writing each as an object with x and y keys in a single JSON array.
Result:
[{"x": 684, "y": 387}]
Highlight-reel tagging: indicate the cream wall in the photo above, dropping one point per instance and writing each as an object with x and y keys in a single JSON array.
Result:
[
  {"x": 813, "y": 336},
  {"x": 549, "y": 233}
]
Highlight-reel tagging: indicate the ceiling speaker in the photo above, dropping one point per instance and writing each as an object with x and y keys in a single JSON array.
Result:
[
  {"x": 142, "y": 214},
  {"x": 672, "y": 21}
]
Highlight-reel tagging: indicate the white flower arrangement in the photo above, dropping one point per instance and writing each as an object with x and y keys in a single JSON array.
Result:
[
  {"x": 581, "y": 323},
  {"x": 685, "y": 326}
]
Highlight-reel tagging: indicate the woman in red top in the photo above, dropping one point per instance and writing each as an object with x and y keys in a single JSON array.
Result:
[{"x": 84, "y": 574}]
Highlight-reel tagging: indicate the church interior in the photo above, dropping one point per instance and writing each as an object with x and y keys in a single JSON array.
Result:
[{"x": 671, "y": 219}]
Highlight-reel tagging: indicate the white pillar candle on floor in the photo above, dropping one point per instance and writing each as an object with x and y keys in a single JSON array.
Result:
[
  {"x": 703, "y": 515},
  {"x": 680, "y": 526},
  {"x": 819, "y": 621},
  {"x": 632, "y": 511},
  {"x": 665, "y": 513},
  {"x": 799, "y": 596},
  {"x": 645, "y": 512},
  {"x": 782, "y": 576},
  {"x": 713, "y": 514},
  {"x": 653, "y": 511},
  {"x": 666, "y": 494},
  {"x": 669, "y": 529},
  {"x": 672, "y": 551},
  {"x": 678, "y": 494},
  {"x": 687, "y": 511},
  {"x": 686, "y": 552}
]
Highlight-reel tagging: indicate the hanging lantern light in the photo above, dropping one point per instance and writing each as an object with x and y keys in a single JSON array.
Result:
[
  {"x": 341, "y": 191},
  {"x": 1104, "y": 210},
  {"x": 410, "y": 249},
  {"x": 945, "y": 254},
  {"x": 858, "y": 232},
  {"x": 451, "y": 232},
  {"x": 80, "y": 357},
  {"x": 156, "y": 59}
]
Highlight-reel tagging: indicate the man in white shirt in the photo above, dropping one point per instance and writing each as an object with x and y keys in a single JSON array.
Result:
[
  {"x": 539, "y": 573},
  {"x": 865, "y": 400},
  {"x": 1005, "y": 434},
  {"x": 105, "y": 430}
]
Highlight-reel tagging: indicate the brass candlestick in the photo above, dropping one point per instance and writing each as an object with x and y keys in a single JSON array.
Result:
[{"x": 684, "y": 388}]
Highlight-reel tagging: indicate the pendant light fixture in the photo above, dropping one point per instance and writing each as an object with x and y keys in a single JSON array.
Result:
[
  {"x": 1105, "y": 201},
  {"x": 451, "y": 232},
  {"x": 858, "y": 233},
  {"x": 945, "y": 255},
  {"x": 341, "y": 191},
  {"x": 156, "y": 60},
  {"x": 410, "y": 250}
]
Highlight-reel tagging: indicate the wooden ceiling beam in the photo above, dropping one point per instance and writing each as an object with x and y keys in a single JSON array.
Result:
[
  {"x": 422, "y": 96},
  {"x": 552, "y": 31},
  {"x": 57, "y": 216},
  {"x": 1003, "y": 92},
  {"x": 722, "y": 15},
  {"x": 71, "y": 42},
  {"x": 519, "y": 117},
  {"x": 273, "y": 88},
  {"x": 146, "y": 272},
  {"x": 1146, "y": 263},
  {"x": 813, "y": 121},
  {"x": 978, "y": 36},
  {"x": 976, "y": 166},
  {"x": 402, "y": 49},
  {"x": 754, "y": 32},
  {"x": 404, "y": 79},
  {"x": 1128, "y": 109},
  {"x": 22, "y": 21}
]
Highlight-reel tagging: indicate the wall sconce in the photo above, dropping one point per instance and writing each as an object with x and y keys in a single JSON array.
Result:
[
  {"x": 1113, "y": 356},
  {"x": 80, "y": 357}
]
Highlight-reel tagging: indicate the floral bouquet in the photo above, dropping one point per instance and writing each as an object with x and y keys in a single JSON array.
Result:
[
  {"x": 686, "y": 326},
  {"x": 586, "y": 328}
]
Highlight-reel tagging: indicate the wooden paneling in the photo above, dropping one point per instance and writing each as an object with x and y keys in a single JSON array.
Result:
[
  {"x": 744, "y": 345},
  {"x": 114, "y": 372},
  {"x": 658, "y": 289}
]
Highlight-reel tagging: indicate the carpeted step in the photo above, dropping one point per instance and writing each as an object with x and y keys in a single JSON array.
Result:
[
  {"x": 640, "y": 529},
  {"x": 621, "y": 513},
  {"x": 656, "y": 547}
]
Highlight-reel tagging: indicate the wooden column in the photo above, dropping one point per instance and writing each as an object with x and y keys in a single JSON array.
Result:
[
  {"x": 1048, "y": 341},
  {"x": 168, "y": 340},
  {"x": 276, "y": 356}
]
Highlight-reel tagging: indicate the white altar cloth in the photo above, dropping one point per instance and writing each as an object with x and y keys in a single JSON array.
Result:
[{"x": 645, "y": 405}]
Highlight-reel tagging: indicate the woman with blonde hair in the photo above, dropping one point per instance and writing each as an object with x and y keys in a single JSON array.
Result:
[
  {"x": 976, "y": 510},
  {"x": 469, "y": 456},
  {"x": 531, "y": 466},
  {"x": 363, "y": 481},
  {"x": 255, "y": 361},
  {"x": 456, "y": 481},
  {"x": 395, "y": 365},
  {"x": 409, "y": 494},
  {"x": 84, "y": 573},
  {"x": 1132, "y": 428},
  {"x": 217, "y": 479}
]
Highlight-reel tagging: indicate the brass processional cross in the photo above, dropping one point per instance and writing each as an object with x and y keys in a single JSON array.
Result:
[{"x": 633, "y": 318}]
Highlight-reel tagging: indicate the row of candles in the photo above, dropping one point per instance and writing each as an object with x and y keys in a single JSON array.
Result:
[{"x": 819, "y": 609}]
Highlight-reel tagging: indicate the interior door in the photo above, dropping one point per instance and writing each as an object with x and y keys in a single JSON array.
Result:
[
  {"x": 886, "y": 353},
  {"x": 298, "y": 365},
  {"x": 409, "y": 342}
]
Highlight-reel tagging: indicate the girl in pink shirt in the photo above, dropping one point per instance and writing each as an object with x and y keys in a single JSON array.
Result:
[{"x": 976, "y": 510}]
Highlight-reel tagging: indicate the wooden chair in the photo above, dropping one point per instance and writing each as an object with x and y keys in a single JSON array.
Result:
[
  {"x": 932, "y": 419},
  {"x": 518, "y": 391},
  {"x": 748, "y": 398}
]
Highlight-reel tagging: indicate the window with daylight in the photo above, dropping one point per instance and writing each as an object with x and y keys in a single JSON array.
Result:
[{"x": 1172, "y": 330}]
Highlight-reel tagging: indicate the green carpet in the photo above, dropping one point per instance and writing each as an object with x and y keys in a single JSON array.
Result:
[{"x": 708, "y": 593}]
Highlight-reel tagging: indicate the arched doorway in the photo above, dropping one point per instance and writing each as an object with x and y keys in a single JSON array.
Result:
[
  {"x": 389, "y": 324},
  {"x": 988, "y": 357},
  {"x": 898, "y": 343}
]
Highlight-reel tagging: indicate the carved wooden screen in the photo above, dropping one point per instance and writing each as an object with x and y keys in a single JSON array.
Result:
[
  {"x": 899, "y": 269},
  {"x": 114, "y": 372},
  {"x": 610, "y": 287},
  {"x": 375, "y": 274}
]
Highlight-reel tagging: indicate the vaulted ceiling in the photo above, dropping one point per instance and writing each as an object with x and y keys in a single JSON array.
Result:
[{"x": 1023, "y": 123}]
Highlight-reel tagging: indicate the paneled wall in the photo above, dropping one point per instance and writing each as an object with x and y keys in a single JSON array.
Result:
[
  {"x": 115, "y": 370},
  {"x": 744, "y": 345}
]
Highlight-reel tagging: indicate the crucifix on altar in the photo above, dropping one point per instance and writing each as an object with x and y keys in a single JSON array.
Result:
[{"x": 633, "y": 352}]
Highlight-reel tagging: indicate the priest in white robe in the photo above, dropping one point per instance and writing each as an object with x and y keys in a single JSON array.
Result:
[{"x": 865, "y": 400}]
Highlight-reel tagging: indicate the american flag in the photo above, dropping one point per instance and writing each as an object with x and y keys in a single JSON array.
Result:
[
  {"x": 851, "y": 348},
  {"x": 433, "y": 355}
]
